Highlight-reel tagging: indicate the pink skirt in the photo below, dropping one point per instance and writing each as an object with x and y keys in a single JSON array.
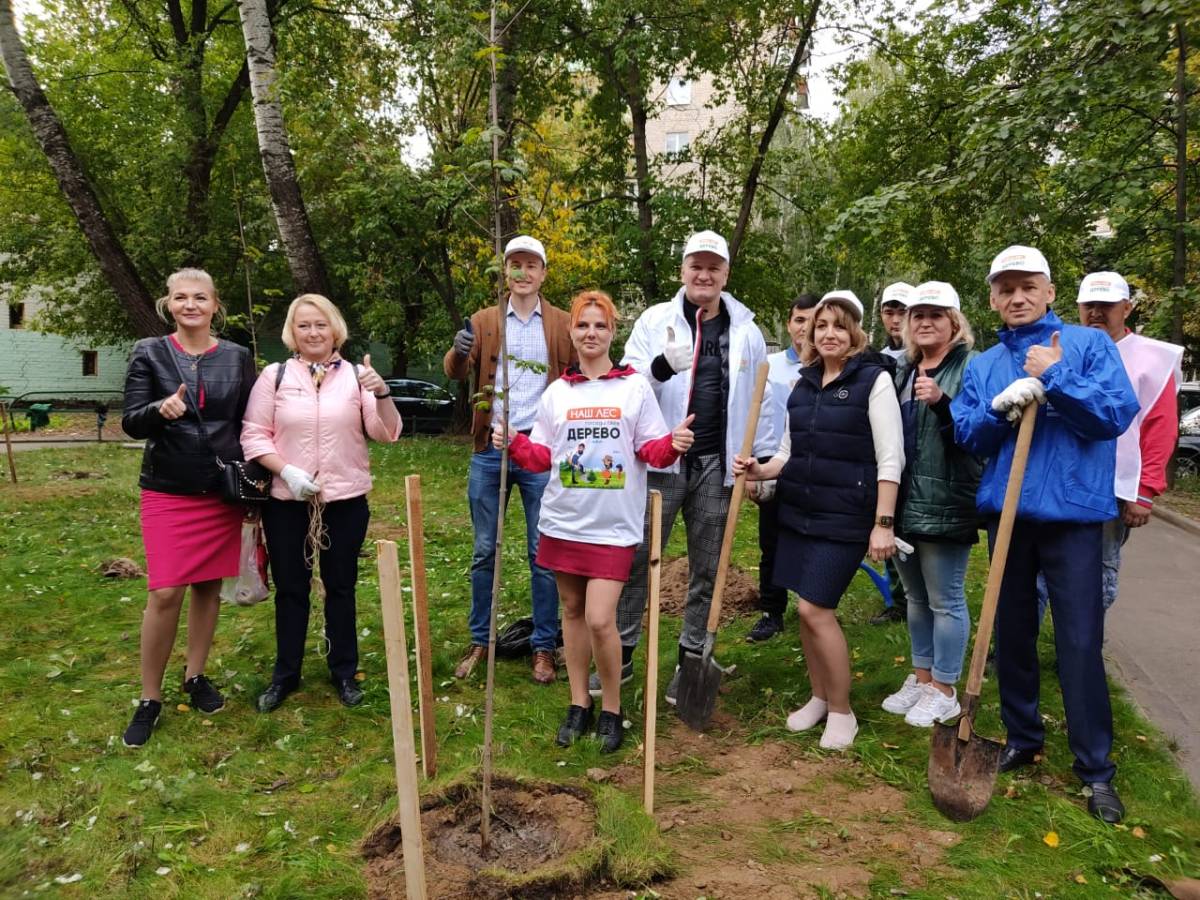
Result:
[
  {"x": 587, "y": 560},
  {"x": 189, "y": 538}
]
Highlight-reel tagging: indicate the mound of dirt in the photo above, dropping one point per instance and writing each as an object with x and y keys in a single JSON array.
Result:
[
  {"x": 534, "y": 827},
  {"x": 741, "y": 591}
]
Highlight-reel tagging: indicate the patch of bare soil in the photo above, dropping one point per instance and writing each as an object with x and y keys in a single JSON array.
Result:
[
  {"x": 764, "y": 822},
  {"x": 533, "y": 828},
  {"x": 741, "y": 591}
]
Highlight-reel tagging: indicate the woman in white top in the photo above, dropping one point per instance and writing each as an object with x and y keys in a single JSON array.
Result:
[
  {"x": 597, "y": 429},
  {"x": 839, "y": 469}
]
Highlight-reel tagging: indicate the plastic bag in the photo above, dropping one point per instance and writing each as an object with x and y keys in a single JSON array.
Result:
[{"x": 250, "y": 586}]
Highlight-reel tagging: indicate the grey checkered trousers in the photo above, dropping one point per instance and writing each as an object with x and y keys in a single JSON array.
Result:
[{"x": 699, "y": 491}]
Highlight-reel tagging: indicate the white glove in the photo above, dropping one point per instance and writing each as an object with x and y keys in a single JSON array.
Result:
[
  {"x": 299, "y": 482},
  {"x": 1018, "y": 395},
  {"x": 678, "y": 354}
]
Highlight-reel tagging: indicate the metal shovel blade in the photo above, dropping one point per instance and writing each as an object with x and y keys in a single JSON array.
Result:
[
  {"x": 962, "y": 774},
  {"x": 699, "y": 683}
]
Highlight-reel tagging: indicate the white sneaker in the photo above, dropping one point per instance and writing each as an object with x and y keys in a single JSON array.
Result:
[
  {"x": 810, "y": 714},
  {"x": 905, "y": 698},
  {"x": 840, "y": 729},
  {"x": 934, "y": 706}
]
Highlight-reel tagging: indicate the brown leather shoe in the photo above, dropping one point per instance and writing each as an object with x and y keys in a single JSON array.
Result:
[
  {"x": 544, "y": 669},
  {"x": 467, "y": 664}
]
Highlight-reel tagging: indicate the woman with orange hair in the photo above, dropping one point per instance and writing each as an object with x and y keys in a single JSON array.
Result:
[{"x": 597, "y": 414}]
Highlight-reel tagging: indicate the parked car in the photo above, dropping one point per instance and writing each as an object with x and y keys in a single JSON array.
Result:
[
  {"x": 1187, "y": 456},
  {"x": 424, "y": 406},
  {"x": 1189, "y": 398}
]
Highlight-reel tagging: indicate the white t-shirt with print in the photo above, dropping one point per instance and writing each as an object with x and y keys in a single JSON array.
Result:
[{"x": 597, "y": 488}]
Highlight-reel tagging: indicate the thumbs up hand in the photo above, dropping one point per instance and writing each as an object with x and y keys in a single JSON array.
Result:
[
  {"x": 677, "y": 353},
  {"x": 1040, "y": 358},
  {"x": 174, "y": 405},
  {"x": 682, "y": 437},
  {"x": 925, "y": 388},
  {"x": 371, "y": 380},
  {"x": 464, "y": 339}
]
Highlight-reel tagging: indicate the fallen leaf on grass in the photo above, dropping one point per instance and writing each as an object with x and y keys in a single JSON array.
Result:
[
  {"x": 1138, "y": 831},
  {"x": 1050, "y": 839},
  {"x": 206, "y": 722},
  {"x": 887, "y": 746},
  {"x": 183, "y": 707},
  {"x": 360, "y": 676},
  {"x": 163, "y": 870},
  {"x": 1142, "y": 738},
  {"x": 243, "y": 847}
]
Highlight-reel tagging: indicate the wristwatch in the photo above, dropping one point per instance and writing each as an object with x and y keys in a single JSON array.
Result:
[{"x": 885, "y": 521}]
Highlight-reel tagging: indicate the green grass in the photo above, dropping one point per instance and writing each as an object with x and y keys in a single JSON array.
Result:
[{"x": 243, "y": 804}]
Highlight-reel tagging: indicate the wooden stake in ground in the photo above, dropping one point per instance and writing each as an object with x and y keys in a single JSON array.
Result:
[
  {"x": 485, "y": 794},
  {"x": 420, "y": 597},
  {"x": 12, "y": 463},
  {"x": 409, "y": 801},
  {"x": 651, "y": 707}
]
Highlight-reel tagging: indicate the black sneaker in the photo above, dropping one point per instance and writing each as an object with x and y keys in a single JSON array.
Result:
[
  {"x": 204, "y": 696},
  {"x": 765, "y": 628},
  {"x": 145, "y": 717},
  {"x": 890, "y": 614},
  {"x": 594, "y": 679},
  {"x": 577, "y": 723},
  {"x": 610, "y": 728}
]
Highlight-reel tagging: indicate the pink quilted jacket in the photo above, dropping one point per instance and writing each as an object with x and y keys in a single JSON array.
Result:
[{"x": 322, "y": 433}]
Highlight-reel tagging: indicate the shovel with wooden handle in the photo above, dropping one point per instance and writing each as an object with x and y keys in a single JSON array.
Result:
[
  {"x": 963, "y": 765},
  {"x": 699, "y": 673}
]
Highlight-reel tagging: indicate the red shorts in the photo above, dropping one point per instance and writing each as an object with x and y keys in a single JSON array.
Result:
[{"x": 588, "y": 560}]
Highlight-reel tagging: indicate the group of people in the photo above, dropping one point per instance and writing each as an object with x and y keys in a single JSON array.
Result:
[
  {"x": 197, "y": 402},
  {"x": 857, "y": 452}
]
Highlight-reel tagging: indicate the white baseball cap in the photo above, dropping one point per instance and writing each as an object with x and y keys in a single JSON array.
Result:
[
  {"x": 897, "y": 292},
  {"x": 1019, "y": 259},
  {"x": 524, "y": 242},
  {"x": 1103, "y": 287},
  {"x": 847, "y": 297},
  {"x": 934, "y": 293},
  {"x": 707, "y": 242}
]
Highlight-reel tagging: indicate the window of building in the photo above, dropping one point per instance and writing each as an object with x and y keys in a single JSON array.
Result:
[
  {"x": 679, "y": 92},
  {"x": 91, "y": 362},
  {"x": 677, "y": 142},
  {"x": 16, "y": 315}
]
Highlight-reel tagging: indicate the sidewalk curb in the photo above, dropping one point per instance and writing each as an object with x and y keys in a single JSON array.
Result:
[{"x": 1179, "y": 521}]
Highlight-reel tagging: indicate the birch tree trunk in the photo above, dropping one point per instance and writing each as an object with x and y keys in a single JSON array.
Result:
[
  {"x": 287, "y": 203},
  {"x": 51, "y": 136}
]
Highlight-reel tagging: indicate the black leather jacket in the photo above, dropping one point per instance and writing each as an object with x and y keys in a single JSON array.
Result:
[{"x": 177, "y": 458}]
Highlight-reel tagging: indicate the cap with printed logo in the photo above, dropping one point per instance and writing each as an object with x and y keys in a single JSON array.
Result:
[
  {"x": 524, "y": 242},
  {"x": 707, "y": 242},
  {"x": 897, "y": 292},
  {"x": 1019, "y": 259},
  {"x": 847, "y": 297},
  {"x": 934, "y": 293},
  {"x": 1103, "y": 287}
]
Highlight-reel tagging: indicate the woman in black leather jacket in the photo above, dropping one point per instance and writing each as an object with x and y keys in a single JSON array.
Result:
[{"x": 191, "y": 536}]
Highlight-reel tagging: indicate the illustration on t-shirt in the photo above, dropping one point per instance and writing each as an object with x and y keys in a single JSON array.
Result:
[{"x": 594, "y": 458}]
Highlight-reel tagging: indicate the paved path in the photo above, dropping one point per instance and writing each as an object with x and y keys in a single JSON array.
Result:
[{"x": 1153, "y": 633}]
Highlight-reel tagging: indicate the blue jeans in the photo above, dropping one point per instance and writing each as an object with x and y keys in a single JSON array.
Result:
[
  {"x": 483, "y": 494},
  {"x": 1112, "y": 538},
  {"x": 939, "y": 624}
]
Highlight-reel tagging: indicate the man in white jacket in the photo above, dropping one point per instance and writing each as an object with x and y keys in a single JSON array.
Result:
[{"x": 700, "y": 351}]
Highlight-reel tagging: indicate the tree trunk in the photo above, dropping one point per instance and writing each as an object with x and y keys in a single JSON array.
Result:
[
  {"x": 287, "y": 202},
  {"x": 48, "y": 130},
  {"x": 1179, "y": 263},
  {"x": 508, "y": 78},
  {"x": 750, "y": 187},
  {"x": 628, "y": 81}
]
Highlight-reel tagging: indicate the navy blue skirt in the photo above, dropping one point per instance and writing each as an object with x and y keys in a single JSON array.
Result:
[{"x": 818, "y": 570}]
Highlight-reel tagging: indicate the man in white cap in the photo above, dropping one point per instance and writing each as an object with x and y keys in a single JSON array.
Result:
[
  {"x": 700, "y": 350},
  {"x": 893, "y": 310},
  {"x": 1143, "y": 451},
  {"x": 1066, "y": 497},
  {"x": 538, "y": 336}
]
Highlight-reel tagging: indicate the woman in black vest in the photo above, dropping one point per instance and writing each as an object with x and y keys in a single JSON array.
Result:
[{"x": 839, "y": 470}]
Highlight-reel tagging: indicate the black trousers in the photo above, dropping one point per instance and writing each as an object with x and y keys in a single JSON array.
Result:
[
  {"x": 285, "y": 523},
  {"x": 771, "y": 598}
]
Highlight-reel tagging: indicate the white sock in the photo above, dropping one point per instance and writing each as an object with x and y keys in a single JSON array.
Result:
[
  {"x": 808, "y": 715},
  {"x": 840, "y": 729}
]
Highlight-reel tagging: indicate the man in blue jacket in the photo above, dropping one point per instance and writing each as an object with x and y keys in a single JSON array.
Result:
[{"x": 1067, "y": 495}]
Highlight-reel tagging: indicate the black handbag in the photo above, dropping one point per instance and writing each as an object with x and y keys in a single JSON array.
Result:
[{"x": 237, "y": 481}]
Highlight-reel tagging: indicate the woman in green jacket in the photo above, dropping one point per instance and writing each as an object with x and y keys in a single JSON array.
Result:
[{"x": 937, "y": 504}]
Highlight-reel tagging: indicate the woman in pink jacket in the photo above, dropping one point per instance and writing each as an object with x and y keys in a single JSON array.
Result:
[{"x": 308, "y": 421}]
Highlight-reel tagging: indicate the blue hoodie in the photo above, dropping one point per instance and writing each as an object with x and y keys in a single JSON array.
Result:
[{"x": 1089, "y": 403}]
